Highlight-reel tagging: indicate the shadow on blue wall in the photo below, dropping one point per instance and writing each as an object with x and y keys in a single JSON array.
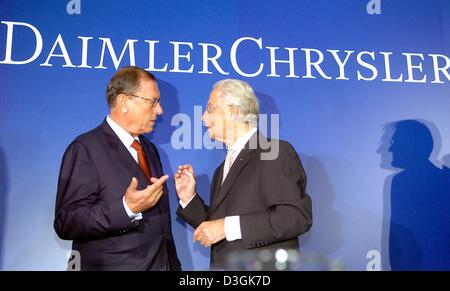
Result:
[
  {"x": 324, "y": 242},
  {"x": 325, "y": 236},
  {"x": 268, "y": 106},
  {"x": 4, "y": 184},
  {"x": 416, "y": 197},
  {"x": 171, "y": 106}
]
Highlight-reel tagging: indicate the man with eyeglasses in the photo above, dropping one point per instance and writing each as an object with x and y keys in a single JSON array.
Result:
[
  {"x": 258, "y": 200},
  {"x": 112, "y": 199}
]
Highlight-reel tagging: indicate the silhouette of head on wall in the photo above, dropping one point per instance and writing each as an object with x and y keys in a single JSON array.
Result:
[
  {"x": 411, "y": 144},
  {"x": 419, "y": 229}
]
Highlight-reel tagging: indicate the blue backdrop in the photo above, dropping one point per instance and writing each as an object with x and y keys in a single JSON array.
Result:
[{"x": 373, "y": 133}]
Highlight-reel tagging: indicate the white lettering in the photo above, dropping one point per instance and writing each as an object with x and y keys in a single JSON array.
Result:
[
  {"x": 59, "y": 42},
  {"x": 387, "y": 66},
  {"x": 233, "y": 57},
  {"x": 177, "y": 57},
  {"x": 9, "y": 42},
  {"x": 341, "y": 63},
  {"x": 315, "y": 64},
  {"x": 213, "y": 60},
  {"x": 366, "y": 65},
  {"x": 107, "y": 43},
  {"x": 290, "y": 61},
  {"x": 151, "y": 57},
  {"x": 84, "y": 54},
  {"x": 410, "y": 67},
  {"x": 438, "y": 69}
]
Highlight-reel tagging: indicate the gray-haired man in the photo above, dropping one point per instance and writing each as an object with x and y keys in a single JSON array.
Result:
[{"x": 256, "y": 203}]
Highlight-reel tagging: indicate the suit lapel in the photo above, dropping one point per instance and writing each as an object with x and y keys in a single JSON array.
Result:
[
  {"x": 121, "y": 153},
  {"x": 221, "y": 191},
  {"x": 242, "y": 159},
  {"x": 123, "y": 156},
  {"x": 217, "y": 179}
]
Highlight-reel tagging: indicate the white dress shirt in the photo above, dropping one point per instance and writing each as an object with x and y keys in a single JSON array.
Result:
[
  {"x": 127, "y": 139},
  {"x": 232, "y": 223}
]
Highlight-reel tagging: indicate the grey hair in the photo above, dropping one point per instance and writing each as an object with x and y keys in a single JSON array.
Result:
[{"x": 240, "y": 94}]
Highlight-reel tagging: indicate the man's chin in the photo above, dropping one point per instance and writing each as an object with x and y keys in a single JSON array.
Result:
[
  {"x": 148, "y": 129},
  {"x": 212, "y": 136}
]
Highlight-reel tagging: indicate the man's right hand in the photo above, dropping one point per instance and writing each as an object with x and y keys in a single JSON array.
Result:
[
  {"x": 185, "y": 183},
  {"x": 141, "y": 200}
]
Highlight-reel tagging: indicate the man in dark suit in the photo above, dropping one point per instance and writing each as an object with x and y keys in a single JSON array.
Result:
[
  {"x": 258, "y": 198},
  {"x": 113, "y": 225}
]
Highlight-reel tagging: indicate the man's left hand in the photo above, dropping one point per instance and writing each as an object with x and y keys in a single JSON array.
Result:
[{"x": 210, "y": 232}]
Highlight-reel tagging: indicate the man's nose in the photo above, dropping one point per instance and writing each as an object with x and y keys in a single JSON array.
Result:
[{"x": 158, "y": 109}]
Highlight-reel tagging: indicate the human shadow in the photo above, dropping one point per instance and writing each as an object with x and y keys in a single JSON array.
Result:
[
  {"x": 171, "y": 106},
  {"x": 269, "y": 112},
  {"x": 416, "y": 227},
  {"x": 4, "y": 188},
  {"x": 319, "y": 186},
  {"x": 325, "y": 235}
]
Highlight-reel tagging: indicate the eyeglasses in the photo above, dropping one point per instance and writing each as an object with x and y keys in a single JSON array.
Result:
[
  {"x": 210, "y": 108},
  {"x": 153, "y": 102}
]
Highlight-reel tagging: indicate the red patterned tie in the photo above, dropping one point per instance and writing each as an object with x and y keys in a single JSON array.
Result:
[{"x": 142, "y": 160}]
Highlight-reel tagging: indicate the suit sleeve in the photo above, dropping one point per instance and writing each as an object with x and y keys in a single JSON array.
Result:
[
  {"x": 289, "y": 211},
  {"x": 195, "y": 212},
  {"x": 79, "y": 211}
]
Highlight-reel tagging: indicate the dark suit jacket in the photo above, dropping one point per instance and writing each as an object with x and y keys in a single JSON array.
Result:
[
  {"x": 268, "y": 195},
  {"x": 95, "y": 173}
]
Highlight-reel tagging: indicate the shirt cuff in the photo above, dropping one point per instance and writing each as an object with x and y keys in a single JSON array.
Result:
[
  {"x": 131, "y": 214},
  {"x": 232, "y": 228},
  {"x": 183, "y": 205}
]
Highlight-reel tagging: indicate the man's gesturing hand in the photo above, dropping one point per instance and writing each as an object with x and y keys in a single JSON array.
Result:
[
  {"x": 141, "y": 200},
  {"x": 185, "y": 183}
]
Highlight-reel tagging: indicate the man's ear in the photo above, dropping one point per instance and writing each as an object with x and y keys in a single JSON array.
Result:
[{"x": 122, "y": 103}]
